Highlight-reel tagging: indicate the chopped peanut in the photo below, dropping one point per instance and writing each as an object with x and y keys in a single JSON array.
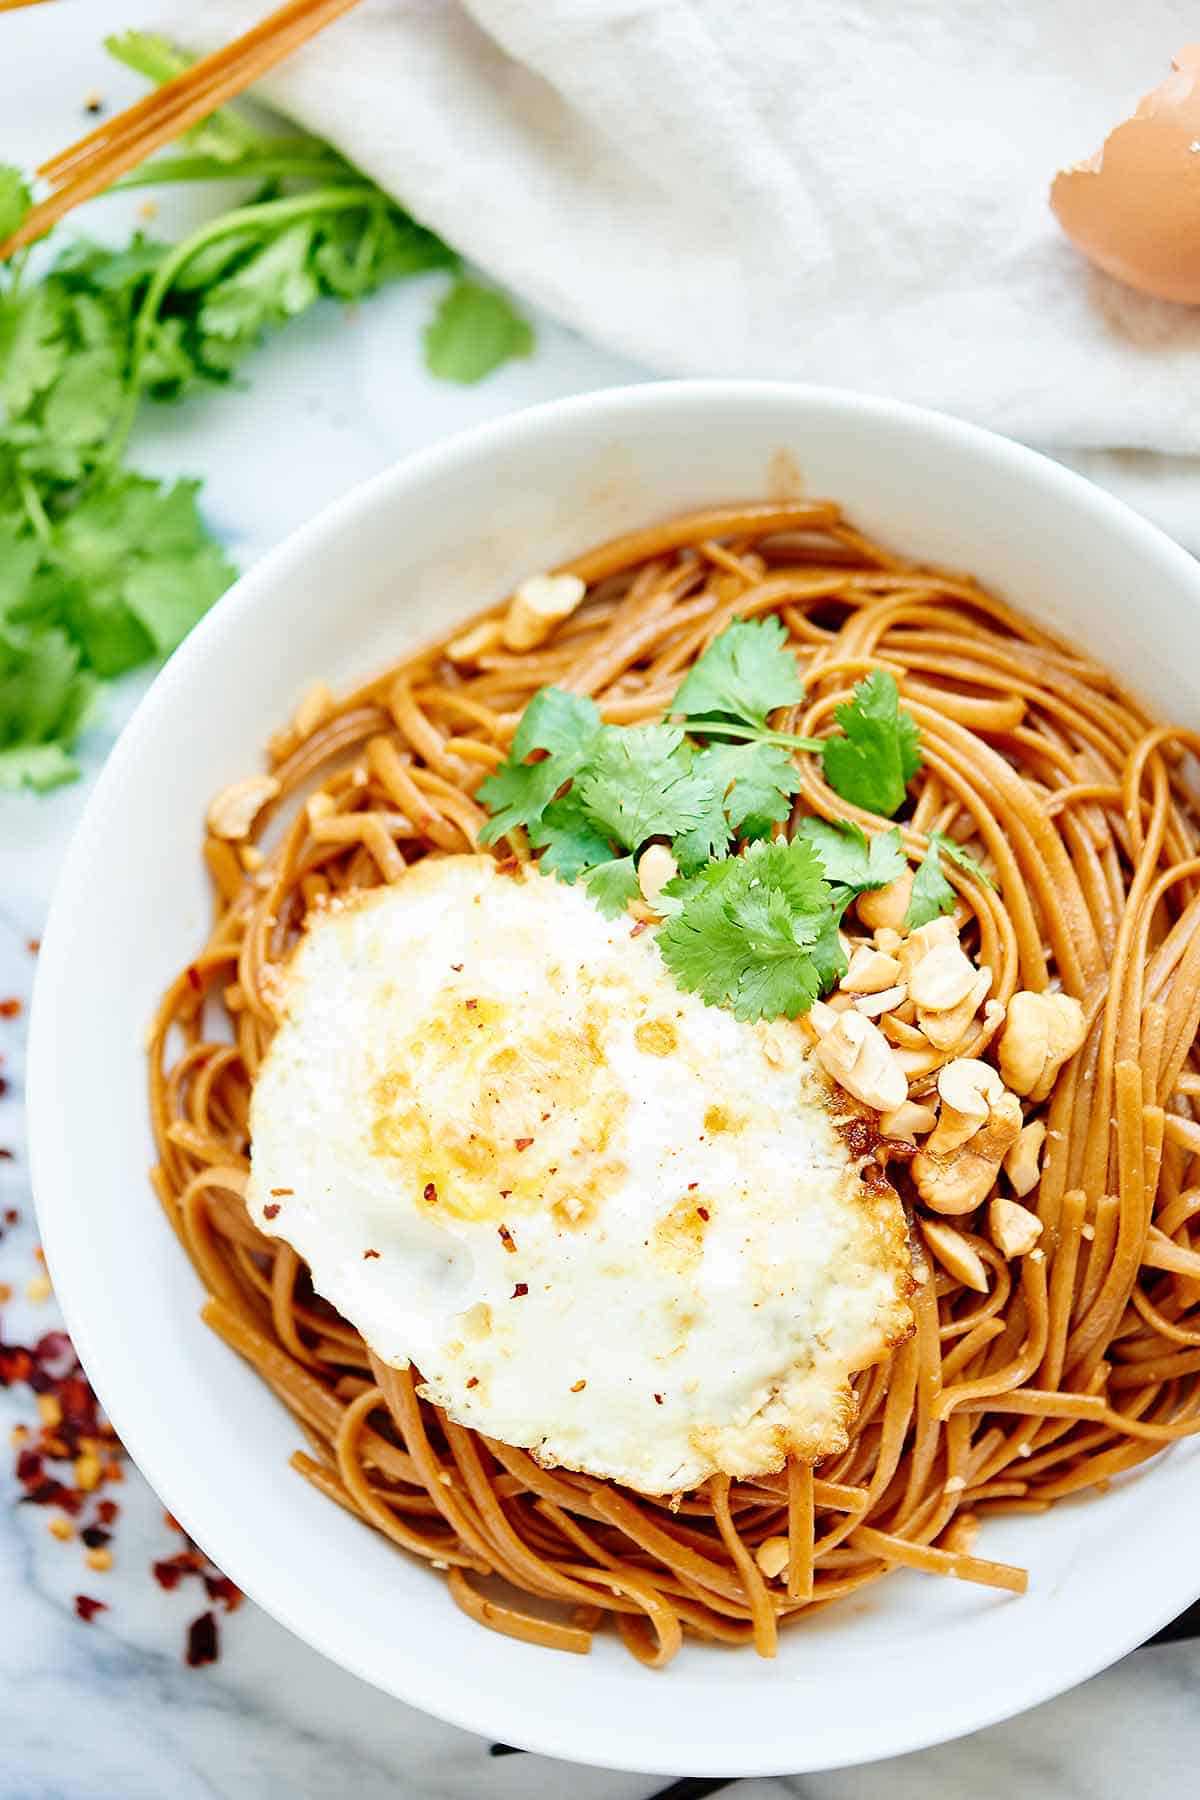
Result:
[
  {"x": 887, "y": 940},
  {"x": 978, "y": 1124},
  {"x": 656, "y": 866},
  {"x": 236, "y": 807},
  {"x": 822, "y": 1018},
  {"x": 772, "y": 1556},
  {"x": 537, "y": 607},
  {"x": 870, "y": 972},
  {"x": 957, "y": 1255},
  {"x": 909, "y": 1120},
  {"x": 856, "y": 1053},
  {"x": 1022, "y": 1165},
  {"x": 946, "y": 1029},
  {"x": 886, "y": 906},
  {"x": 873, "y": 1005},
  {"x": 1041, "y": 1032},
  {"x": 475, "y": 643},
  {"x": 1013, "y": 1229},
  {"x": 942, "y": 978}
]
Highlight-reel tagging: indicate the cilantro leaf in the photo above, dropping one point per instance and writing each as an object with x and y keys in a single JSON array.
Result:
[
  {"x": 271, "y": 286},
  {"x": 569, "y": 842},
  {"x": 931, "y": 893},
  {"x": 880, "y": 753},
  {"x": 566, "y": 727},
  {"x": 36, "y": 766},
  {"x": 961, "y": 857},
  {"x": 474, "y": 330},
  {"x": 755, "y": 783},
  {"x": 829, "y": 959},
  {"x": 32, "y": 347},
  {"x": 854, "y": 863},
  {"x": 15, "y": 200},
  {"x": 44, "y": 703},
  {"x": 746, "y": 673},
  {"x": 612, "y": 885},
  {"x": 745, "y": 931},
  {"x": 639, "y": 783}
]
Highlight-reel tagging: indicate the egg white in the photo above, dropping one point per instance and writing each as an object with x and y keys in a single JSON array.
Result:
[{"x": 606, "y": 1222}]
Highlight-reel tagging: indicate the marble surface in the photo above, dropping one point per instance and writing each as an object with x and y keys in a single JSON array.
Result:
[{"x": 109, "y": 1708}]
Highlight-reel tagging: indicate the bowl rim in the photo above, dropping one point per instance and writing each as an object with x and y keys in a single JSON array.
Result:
[{"x": 151, "y": 1447}]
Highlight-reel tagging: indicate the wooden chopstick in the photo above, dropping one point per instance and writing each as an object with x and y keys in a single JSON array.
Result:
[{"x": 118, "y": 144}]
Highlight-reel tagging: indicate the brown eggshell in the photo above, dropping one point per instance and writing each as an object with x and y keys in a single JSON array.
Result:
[{"x": 1134, "y": 207}]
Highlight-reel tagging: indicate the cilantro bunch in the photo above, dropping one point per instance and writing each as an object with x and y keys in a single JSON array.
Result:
[
  {"x": 102, "y": 569},
  {"x": 756, "y": 931}
]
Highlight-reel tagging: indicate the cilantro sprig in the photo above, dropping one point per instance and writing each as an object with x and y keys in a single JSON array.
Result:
[
  {"x": 756, "y": 931},
  {"x": 100, "y": 568}
]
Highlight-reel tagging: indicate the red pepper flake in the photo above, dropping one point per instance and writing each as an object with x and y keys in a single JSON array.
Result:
[
  {"x": 508, "y": 1240},
  {"x": 202, "y": 1642},
  {"x": 473, "y": 1381},
  {"x": 86, "y": 1608},
  {"x": 457, "y": 967},
  {"x": 193, "y": 975},
  {"x": 577, "y": 1387},
  {"x": 277, "y": 1192},
  {"x": 33, "y": 945},
  {"x": 368, "y": 1255},
  {"x": 171, "y": 1570},
  {"x": 171, "y": 1523},
  {"x": 471, "y": 1005},
  {"x": 692, "y": 1186},
  {"x": 505, "y": 1193},
  {"x": 107, "y": 1512},
  {"x": 3, "y": 1086},
  {"x": 702, "y": 1211},
  {"x": 11, "y": 1214},
  {"x": 642, "y": 925},
  {"x": 219, "y": 1587},
  {"x": 95, "y": 1537},
  {"x": 7, "y": 1156},
  {"x": 430, "y": 1192},
  {"x": 11, "y": 1008},
  {"x": 520, "y": 1291},
  {"x": 522, "y": 1143},
  {"x": 658, "y": 1399},
  {"x": 271, "y": 1211},
  {"x": 545, "y": 1116}
]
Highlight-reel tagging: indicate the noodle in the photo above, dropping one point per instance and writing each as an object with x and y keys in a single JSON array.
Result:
[{"x": 1077, "y": 1364}]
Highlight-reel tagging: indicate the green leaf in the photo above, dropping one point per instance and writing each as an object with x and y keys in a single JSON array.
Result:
[
  {"x": 612, "y": 885},
  {"x": 755, "y": 782},
  {"x": 566, "y": 727},
  {"x": 829, "y": 959},
  {"x": 168, "y": 595},
  {"x": 639, "y": 784},
  {"x": 474, "y": 330},
  {"x": 931, "y": 893},
  {"x": 746, "y": 673},
  {"x": 752, "y": 931},
  {"x": 274, "y": 285},
  {"x": 15, "y": 199},
  {"x": 37, "y": 766},
  {"x": 961, "y": 857},
  {"x": 854, "y": 863},
  {"x": 568, "y": 841},
  {"x": 82, "y": 406},
  {"x": 873, "y": 763},
  {"x": 32, "y": 347},
  {"x": 44, "y": 697}
]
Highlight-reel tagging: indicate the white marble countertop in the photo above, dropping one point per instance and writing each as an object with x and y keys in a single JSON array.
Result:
[{"x": 109, "y": 1708}]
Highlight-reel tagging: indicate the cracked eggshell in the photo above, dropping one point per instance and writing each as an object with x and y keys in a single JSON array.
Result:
[{"x": 1134, "y": 207}]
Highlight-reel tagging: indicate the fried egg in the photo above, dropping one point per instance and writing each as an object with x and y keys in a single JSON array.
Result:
[{"x": 605, "y": 1222}]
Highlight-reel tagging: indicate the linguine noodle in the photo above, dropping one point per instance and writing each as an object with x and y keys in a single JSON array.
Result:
[{"x": 1076, "y": 1365}]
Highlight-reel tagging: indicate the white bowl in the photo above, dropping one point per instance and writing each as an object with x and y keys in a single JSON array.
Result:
[{"x": 912, "y": 1662}]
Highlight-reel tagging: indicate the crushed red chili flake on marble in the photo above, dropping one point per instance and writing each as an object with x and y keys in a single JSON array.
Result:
[
  {"x": 520, "y": 1291},
  {"x": 271, "y": 1211},
  {"x": 33, "y": 945},
  {"x": 71, "y": 1451},
  {"x": 202, "y": 1642},
  {"x": 11, "y": 1008}
]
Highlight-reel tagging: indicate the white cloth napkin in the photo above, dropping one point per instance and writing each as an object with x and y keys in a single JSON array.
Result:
[{"x": 850, "y": 193}]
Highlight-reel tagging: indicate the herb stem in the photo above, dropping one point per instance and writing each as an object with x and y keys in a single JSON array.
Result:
[
  {"x": 35, "y": 511},
  {"x": 752, "y": 734},
  {"x": 287, "y": 159},
  {"x": 264, "y": 213}
]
